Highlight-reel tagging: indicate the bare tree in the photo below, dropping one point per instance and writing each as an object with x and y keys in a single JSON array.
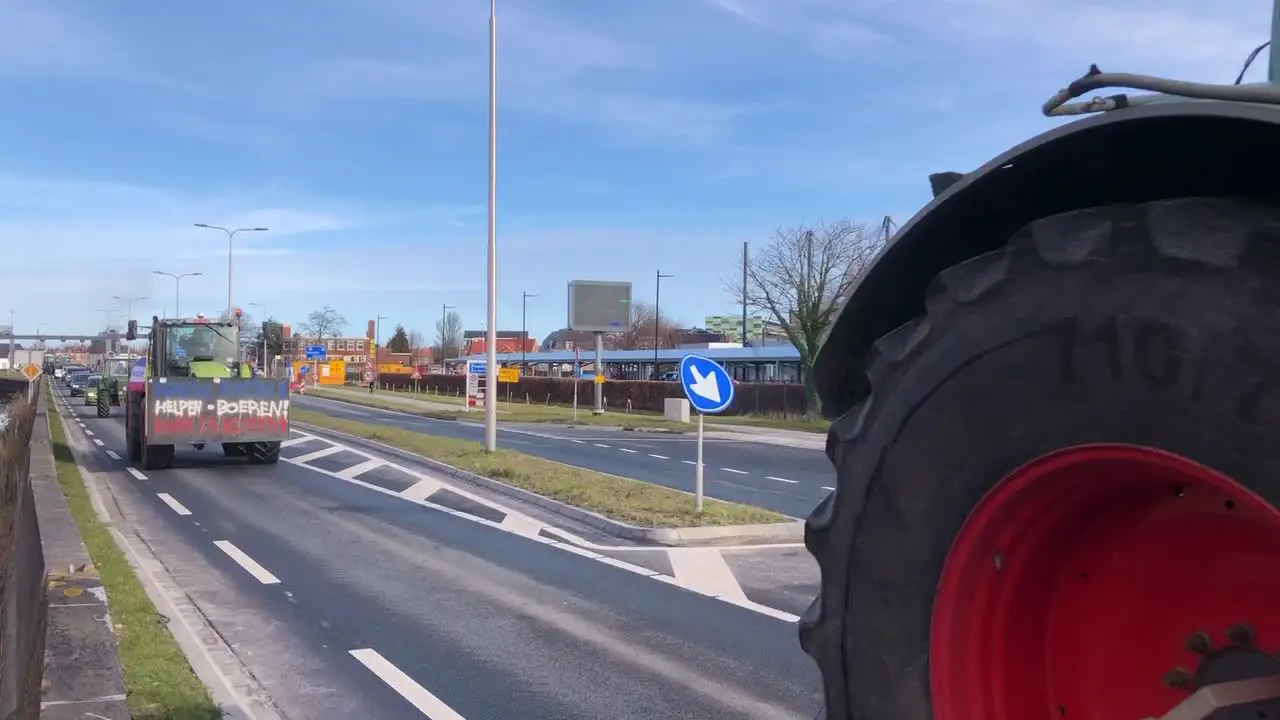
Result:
[
  {"x": 640, "y": 336},
  {"x": 324, "y": 323},
  {"x": 801, "y": 277},
  {"x": 449, "y": 335},
  {"x": 416, "y": 344}
]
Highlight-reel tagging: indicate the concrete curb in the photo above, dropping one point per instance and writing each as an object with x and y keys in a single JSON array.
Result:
[
  {"x": 722, "y": 534},
  {"x": 82, "y": 661}
]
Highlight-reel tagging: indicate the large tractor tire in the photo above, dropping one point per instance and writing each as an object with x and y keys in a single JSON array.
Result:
[
  {"x": 133, "y": 423},
  {"x": 104, "y": 404},
  {"x": 263, "y": 453},
  {"x": 234, "y": 449},
  {"x": 1060, "y": 497}
]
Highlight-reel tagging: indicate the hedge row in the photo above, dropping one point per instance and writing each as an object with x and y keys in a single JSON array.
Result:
[{"x": 749, "y": 398}]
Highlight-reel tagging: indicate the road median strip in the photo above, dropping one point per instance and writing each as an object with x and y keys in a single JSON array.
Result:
[
  {"x": 158, "y": 679},
  {"x": 625, "y": 500}
]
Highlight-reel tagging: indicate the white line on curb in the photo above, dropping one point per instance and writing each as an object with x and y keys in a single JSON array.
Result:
[
  {"x": 249, "y": 564},
  {"x": 173, "y": 504}
]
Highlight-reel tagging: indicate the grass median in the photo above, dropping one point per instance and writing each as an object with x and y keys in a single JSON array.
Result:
[
  {"x": 623, "y": 499},
  {"x": 158, "y": 680}
]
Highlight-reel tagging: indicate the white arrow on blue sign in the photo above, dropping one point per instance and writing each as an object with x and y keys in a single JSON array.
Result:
[{"x": 706, "y": 383}]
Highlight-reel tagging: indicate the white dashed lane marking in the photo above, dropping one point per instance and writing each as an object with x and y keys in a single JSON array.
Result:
[
  {"x": 176, "y": 506},
  {"x": 660, "y": 457},
  {"x": 628, "y": 450},
  {"x": 770, "y": 477},
  {"x": 739, "y": 472},
  {"x": 136, "y": 472},
  {"x": 98, "y": 442},
  {"x": 112, "y": 454},
  {"x": 419, "y": 697},
  {"x": 250, "y": 565}
]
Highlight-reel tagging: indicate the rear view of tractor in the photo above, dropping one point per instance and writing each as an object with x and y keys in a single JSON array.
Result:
[
  {"x": 194, "y": 390},
  {"x": 1056, "y": 404},
  {"x": 111, "y": 385}
]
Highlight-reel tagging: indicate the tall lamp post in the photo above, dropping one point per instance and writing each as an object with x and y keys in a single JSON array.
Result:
[
  {"x": 231, "y": 235},
  {"x": 657, "y": 317},
  {"x": 491, "y": 334},
  {"x": 524, "y": 327},
  {"x": 177, "y": 287},
  {"x": 264, "y": 334}
]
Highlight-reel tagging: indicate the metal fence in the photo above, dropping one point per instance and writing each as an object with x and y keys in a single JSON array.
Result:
[{"x": 23, "y": 587}]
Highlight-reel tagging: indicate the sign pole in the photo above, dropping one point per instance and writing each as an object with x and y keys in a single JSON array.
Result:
[
  {"x": 697, "y": 482},
  {"x": 709, "y": 389},
  {"x": 577, "y": 376}
]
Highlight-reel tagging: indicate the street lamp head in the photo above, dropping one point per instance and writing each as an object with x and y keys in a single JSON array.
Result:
[
  {"x": 194, "y": 274},
  {"x": 203, "y": 225},
  {"x": 259, "y": 229}
]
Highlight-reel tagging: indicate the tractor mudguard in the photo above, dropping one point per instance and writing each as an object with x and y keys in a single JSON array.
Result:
[{"x": 1136, "y": 155}]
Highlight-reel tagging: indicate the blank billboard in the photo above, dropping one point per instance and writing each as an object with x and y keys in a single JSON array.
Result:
[{"x": 599, "y": 306}]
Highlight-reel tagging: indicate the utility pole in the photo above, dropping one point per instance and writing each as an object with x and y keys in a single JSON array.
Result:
[
  {"x": 657, "y": 319},
  {"x": 12, "y": 339},
  {"x": 524, "y": 327},
  {"x": 491, "y": 334},
  {"x": 745, "y": 343},
  {"x": 377, "y": 347}
]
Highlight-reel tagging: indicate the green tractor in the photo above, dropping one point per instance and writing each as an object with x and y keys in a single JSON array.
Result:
[
  {"x": 1056, "y": 420},
  {"x": 192, "y": 389},
  {"x": 109, "y": 391}
]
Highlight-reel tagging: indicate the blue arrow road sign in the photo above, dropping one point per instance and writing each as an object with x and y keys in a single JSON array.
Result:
[
  {"x": 706, "y": 384},
  {"x": 315, "y": 352}
]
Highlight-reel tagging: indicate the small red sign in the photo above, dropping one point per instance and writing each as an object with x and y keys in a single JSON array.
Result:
[{"x": 416, "y": 375}]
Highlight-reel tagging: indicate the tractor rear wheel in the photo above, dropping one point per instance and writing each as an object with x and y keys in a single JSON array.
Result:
[
  {"x": 1060, "y": 497},
  {"x": 263, "y": 453},
  {"x": 133, "y": 427},
  {"x": 104, "y": 404},
  {"x": 233, "y": 449}
]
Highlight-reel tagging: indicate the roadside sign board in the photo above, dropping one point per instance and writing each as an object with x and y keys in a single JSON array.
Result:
[
  {"x": 368, "y": 373},
  {"x": 31, "y": 372},
  {"x": 316, "y": 352},
  {"x": 508, "y": 375},
  {"x": 417, "y": 375},
  {"x": 599, "y": 378},
  {"x": 706, "y": 383}
]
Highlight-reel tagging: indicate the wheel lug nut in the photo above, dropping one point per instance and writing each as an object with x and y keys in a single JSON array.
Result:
[
  {"x": 1178, "y": 679},
  {"x": 1240, "y": 635},
  {"x": 1199, "y": 643}
]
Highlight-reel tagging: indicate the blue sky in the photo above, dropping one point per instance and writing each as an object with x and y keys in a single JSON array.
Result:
[{"x": 633, "y": 135}]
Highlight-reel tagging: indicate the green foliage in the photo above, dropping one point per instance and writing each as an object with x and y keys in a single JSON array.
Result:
[{"x": 399, "y": 342}]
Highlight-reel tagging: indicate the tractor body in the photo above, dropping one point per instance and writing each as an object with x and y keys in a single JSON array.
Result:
[
  {"x": 193, "y": 390},
  {"x": 1055, "y": 397}
]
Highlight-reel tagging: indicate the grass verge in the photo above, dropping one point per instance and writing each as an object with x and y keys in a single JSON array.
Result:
[
  {"x": 158, "y": 680},
  {"x": 623, "y": 499}
]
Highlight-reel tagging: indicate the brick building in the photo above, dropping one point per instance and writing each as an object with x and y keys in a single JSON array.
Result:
[
  {"x": 473, "y": 342},
  {"x": 350, "y": 349}
]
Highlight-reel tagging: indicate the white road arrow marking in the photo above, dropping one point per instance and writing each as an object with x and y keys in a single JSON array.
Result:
[{"x": 704, "y": 385}]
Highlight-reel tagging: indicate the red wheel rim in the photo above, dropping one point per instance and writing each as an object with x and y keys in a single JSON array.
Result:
[{"x": 1074, "y": 585}]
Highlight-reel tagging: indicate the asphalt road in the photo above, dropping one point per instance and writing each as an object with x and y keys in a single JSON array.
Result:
[
  {"x": 345, "y": 602},
  {"x": 786, "y": 479}
]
